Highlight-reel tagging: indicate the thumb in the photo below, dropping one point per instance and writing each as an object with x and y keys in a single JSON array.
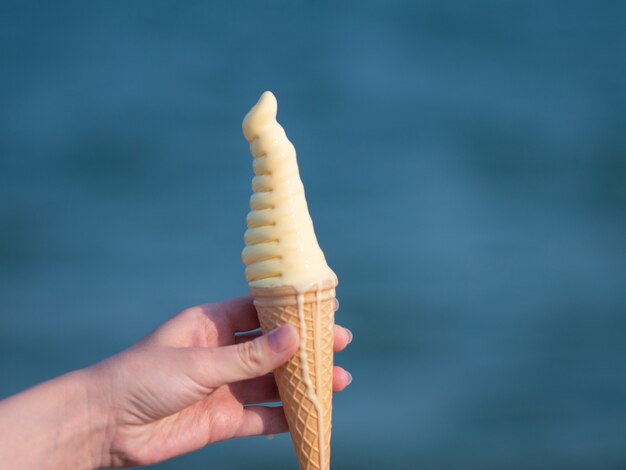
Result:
[{"x": 251, "y": 359}]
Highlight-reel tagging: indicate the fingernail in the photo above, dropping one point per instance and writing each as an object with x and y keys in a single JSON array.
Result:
[
  {"x": 281, "y": 338},
  {"x": 349, "y": 378},
  {"x": 336, "y": 304},
  {"x": 350, "y": 335}
]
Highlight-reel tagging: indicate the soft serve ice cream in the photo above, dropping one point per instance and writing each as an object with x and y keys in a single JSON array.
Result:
[{"x": 281, "y": 247}]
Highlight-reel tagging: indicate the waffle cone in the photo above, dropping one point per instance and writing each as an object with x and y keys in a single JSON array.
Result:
[{"x": 307, "y": 402}]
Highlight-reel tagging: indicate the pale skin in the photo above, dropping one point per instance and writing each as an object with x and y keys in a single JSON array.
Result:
[{"x": 190, "y": 383}]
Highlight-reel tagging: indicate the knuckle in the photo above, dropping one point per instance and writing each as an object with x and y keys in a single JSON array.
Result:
[
  {"x": 192, "y": 313},
  {"x": 127, "y": 453},
  {"x": 251, "y": 356}
]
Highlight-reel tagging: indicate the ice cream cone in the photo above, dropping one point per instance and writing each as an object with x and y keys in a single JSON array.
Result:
[
  {"x": 305, "y": 382},
  {"x": 291, "y": 282}
]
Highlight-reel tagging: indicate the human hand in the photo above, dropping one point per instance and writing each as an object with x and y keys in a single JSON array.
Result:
[{"x": 193, "y": 382}]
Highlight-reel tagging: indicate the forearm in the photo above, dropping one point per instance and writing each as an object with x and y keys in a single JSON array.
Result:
[{"x": 57, "y": 424}]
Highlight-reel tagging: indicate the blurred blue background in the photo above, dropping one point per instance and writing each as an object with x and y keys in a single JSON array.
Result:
[{"x": 465, "y": 165}]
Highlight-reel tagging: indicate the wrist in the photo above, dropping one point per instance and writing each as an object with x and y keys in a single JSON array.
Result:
[
  {"x": 94, "y": 422},
  {"x": 61, "y": 423},
  {"x": 82, "y": 420}
]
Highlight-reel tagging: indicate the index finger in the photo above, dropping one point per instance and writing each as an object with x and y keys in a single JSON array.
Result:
[
  {"x": 234, "y": 315},
  {"x": 208, "y": 325}
]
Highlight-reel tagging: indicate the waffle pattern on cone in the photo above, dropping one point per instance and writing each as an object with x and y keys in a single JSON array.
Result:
[{"x": 302, "y": 415}]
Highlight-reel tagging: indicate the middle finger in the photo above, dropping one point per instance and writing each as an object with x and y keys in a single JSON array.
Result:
[{"x": 342, "y": 337}]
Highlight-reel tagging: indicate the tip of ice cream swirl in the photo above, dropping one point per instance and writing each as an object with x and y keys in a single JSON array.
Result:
[{"x": 281, "y": 246}]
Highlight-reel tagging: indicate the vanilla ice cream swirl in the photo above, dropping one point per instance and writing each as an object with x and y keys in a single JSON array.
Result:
[{"x": 281, "y": 246}]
